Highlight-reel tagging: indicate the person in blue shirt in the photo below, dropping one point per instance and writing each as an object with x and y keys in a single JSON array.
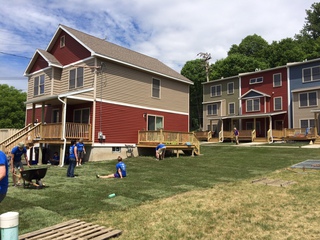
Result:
[
  {"x": 73, "y": 158},
  {"x": 81, "y": 151},
  {"x": 236, "y": 135},
  {"x": 55, "y": 160},
  {"x": 121, "y": 170},
  {"x": 16, "y": 163},
  {"x": 160, "y": 151},
  {"x": 4, "y": 176}
]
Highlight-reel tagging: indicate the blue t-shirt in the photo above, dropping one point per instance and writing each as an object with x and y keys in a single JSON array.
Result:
[
  {"x": 18, "y": 153},
  {"x": 71, "y": 152},
  {"x": 80, "y": 146},
  {"x": 5, "y": 181},
  {"x": 161, "y": 145},
  {"x": 122, "y": 166}
]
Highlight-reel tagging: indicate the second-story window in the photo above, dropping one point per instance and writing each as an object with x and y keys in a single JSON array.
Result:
[
  {"x": 308, "y": 99},
  {"x": 212, "y": 109},
  {"x": 215, "y": 91},
  {"x": 38, "y": 86},
  {"x": 231, "y": 108},
  {"x": 253, "y": 105},
  {"x": 156, "y": 88},
  {"x": 277, "y": 82},
  {"x": 76, "y": 78},
  {"x": 311, "y": 74},
  {"x": 277, "y": 103},
  {"x": 230, "y": 88}
]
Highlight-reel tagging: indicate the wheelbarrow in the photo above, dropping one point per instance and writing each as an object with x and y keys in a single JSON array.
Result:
[{"x": 36, "y": 174}]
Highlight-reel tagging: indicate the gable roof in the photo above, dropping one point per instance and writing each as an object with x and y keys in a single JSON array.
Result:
[
  {"x": 253, "y": 94},
  {"x": 107, "y": 50}
]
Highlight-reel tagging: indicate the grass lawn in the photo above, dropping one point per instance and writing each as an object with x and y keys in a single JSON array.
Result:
[{"x": 204, "y": 197}]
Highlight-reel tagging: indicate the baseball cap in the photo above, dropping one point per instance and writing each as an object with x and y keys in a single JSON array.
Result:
[{"x": 21, "y": 145}]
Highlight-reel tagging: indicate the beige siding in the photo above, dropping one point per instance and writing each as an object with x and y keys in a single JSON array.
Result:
[
  {"x": 130, "y": 86},
  {"x": 303, "y": 113},
  {"x": 47, "y": 84}
]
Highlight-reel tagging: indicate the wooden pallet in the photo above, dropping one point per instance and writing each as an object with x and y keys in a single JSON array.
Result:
[{"x": 71, "y": 230}]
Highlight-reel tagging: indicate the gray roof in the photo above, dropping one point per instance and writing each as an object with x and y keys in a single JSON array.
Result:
[{"x": 100, "y": 47}]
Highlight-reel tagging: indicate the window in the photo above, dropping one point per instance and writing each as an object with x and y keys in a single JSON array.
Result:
[
  {"x": 215, "y": 90},
  {"x": 38, "y": 85},
  {"x": 308, "y": 99},
  {"x": 62, "y": 41},
  {"x": 55, "y": 115},
  {"x": 230, "y": 88},
  {"x": 231, "y": 108},
  {"x": 307, "y": 123},
  {"x": 277, "y": 82},
  {"x": 256, "y": 80},
  {"x": 311, "y": 74},
  {"x": 212, "y": 109},
  {"x": 155, "y": 122},
  {"x": 253, "y": 105},
  {"x": 81, "y": 115},
  {"x": 277, "y": 101},
  {"x": 76, "y": 78},
  {"x": 116, "y": 149},
  {"x": 156, "y": 88}
]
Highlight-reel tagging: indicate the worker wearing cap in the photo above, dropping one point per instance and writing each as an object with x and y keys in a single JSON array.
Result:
[{"x": 15, "y": 161}]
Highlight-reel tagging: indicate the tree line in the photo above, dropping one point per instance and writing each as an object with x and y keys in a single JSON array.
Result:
[{"x": 252, "y": 53}]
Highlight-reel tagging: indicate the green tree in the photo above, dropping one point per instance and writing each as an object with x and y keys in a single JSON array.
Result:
[
  {"x": 195, "y": 71},
  {"x": 12, "y": 111},
  {"x": 282, "y": 52},
  {"x": 235, "y": 64},
  {"x": 311, "y": 27}
]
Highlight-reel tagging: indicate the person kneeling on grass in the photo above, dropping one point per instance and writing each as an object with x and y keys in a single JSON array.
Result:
[{"x": 120, "y": 173}]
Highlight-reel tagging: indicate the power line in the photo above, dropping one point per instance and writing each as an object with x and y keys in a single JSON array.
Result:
[{"x": 14, "y": 55}]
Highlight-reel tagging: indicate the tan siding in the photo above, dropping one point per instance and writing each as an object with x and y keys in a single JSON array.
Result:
[
  {"x": 301, "y": 113},
  {"x": 129, "y": 86}
]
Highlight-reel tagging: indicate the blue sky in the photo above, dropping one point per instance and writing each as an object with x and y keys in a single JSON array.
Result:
[{"x": 172, "y": 31}]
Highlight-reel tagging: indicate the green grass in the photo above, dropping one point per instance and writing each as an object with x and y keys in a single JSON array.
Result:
[{"x": 151, "y": 182}]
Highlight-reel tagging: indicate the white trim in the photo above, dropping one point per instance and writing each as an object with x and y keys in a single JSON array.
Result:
[{"x": 103, "y": 145}]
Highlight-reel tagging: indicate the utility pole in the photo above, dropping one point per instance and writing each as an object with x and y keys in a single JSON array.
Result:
[{"x": 206, "y": 57}]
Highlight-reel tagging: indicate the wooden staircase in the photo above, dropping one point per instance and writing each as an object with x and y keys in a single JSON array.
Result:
[{"x": 25, "y": 135}]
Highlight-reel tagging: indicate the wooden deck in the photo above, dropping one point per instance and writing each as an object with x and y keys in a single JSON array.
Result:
[
  {"x": 72, "y": 230},
  {"x": 176, "y": 148}
]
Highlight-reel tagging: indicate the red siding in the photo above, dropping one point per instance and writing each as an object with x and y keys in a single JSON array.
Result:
[
  {"x": 267, "y": 88},
  {"x": 120, "y": 124},
  {"x": 39, "y": 64},
  {"x": 71, "y": 52}
]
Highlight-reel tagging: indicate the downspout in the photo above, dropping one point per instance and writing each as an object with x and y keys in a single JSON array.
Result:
[{"x": 63, "y": 129}]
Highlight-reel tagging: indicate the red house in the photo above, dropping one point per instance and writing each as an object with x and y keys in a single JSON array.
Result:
[{"x": 85, "y": 87}]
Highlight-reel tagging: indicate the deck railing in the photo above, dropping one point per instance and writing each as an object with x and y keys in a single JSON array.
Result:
[{"x": 168, "y": 138}]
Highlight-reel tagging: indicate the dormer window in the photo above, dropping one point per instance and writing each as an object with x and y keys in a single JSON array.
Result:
[{"x": 62, "y": 41}]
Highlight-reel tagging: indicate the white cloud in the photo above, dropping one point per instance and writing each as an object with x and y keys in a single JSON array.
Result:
[{"x": 172, "y": 31}]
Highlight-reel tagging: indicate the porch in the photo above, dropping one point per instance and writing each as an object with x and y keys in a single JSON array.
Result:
[{"x": 49, "y": 133}]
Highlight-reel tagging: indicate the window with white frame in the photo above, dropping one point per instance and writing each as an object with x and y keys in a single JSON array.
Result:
[
  {"x": 212, "y": 109},
  {"x": 230, "y": 88},
  {"x": 277, "y": 81},
  {"x": 38, "y": 87},
  {"x": 308, "y": 99},
  {"x": 311, "y": 74},
  {"x": 256, "y": 80},
  {"x": 277, "y": 103},
  {"x": 307, "y": 123},
  {"x": 231, "y": 108},
  {"x": 62, "y": 41},
  {"x": 81, "y": 115},
  {"x": 155, "y": 122},
  {"x": 215, "y": 90},
  {"x": 76, "y": 78},
  {"x": 155, "y": 88},
  {"x": 253, "y": 105}
]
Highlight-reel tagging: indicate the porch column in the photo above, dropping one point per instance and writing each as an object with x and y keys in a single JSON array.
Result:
[{"x": 316, "y": 122}]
